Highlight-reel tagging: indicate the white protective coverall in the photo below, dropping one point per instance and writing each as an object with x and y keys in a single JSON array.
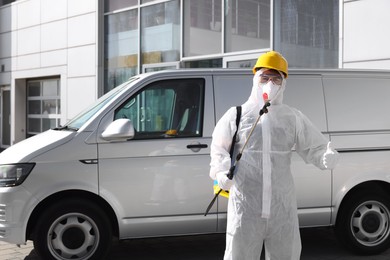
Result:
[{"x": 262, "y": 203}]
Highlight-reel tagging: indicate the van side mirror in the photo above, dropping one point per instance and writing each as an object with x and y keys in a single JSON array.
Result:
[{"x": 119, "y": 130}]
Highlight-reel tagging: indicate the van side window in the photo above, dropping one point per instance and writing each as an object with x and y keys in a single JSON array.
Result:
[{"x": 165, "y": 109}]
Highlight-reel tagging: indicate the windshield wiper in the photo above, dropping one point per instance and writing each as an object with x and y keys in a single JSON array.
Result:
[{"x": 66, "y": 127}]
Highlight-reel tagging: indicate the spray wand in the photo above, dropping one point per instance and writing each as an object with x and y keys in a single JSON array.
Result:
[{"x": 230, "y": 174}]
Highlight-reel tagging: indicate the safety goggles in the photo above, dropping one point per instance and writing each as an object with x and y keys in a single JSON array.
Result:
[{"x": 277, "y": 79}]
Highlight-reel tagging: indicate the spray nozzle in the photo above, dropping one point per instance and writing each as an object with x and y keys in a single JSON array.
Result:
[{"x": 265, "y": 97}]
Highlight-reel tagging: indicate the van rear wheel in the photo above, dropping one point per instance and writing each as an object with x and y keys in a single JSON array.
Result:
[
  {"x": 364, "y": 223},
  {"x": 73, "y": 229}
]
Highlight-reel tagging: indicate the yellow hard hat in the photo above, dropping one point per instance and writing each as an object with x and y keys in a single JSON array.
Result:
[{"x": 272, "y": 60}]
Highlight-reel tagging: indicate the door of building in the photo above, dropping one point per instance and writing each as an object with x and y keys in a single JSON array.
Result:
[{"x": 5, "y": 114}]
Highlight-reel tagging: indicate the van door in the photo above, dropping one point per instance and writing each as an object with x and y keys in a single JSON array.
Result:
[
  {"x": 158, "y": 182},
  {"x": 357, "y": 107},
  {"x": 304, "y": 92},
  {"x": 313, "y": 186},
  {"x": 231, "y": 89}
]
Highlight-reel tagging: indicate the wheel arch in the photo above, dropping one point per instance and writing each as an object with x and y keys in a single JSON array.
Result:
[
  {"x": 69, "y": 194},
  {"x": 368, "y": 186}
]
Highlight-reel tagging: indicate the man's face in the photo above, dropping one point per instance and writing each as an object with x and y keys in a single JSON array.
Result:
[{"x": 270, "y": 83}]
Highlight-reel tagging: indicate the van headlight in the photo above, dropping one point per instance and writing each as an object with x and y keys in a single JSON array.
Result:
[{"x": 14, "y": 174}]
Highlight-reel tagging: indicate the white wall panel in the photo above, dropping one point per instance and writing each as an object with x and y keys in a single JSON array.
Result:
[
  {"x": 53, "y": 35},
  {"x": 5, "y": 19},
  {"x": 41, "y": 38},
  {"x": 28, "y": 14},
  {"x": 29, "y": 40},
  {"x": 54, "y": 58},
  {"x": 14, "y": 43},
  {"x": 81, "y": 30},
  {"x": 5, "y": 77},
  {"x": 53, "y": 10},
  {"x": 5, "y": 45},
  {"x": 40, "y": 72},
  {"x": 77, "y": 7},
  {"x": 7, "y": 64},
  {"x": 14, "y": 18},
  {"x": 26, "y": 62},
  {"x": 82, "y": 61},
  {"x": 365, "y": 32},
  {"x": 80, "y": 93},
  {"x": 376, "y": 64}
]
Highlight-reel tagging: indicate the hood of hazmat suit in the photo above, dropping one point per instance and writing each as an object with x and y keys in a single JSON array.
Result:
[{"x": 262, "y": 202}]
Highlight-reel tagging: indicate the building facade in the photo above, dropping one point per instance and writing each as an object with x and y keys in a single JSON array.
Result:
[{"x": 58, "y": 56}]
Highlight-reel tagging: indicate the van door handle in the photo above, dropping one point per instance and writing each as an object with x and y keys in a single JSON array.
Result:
[
  {"x": 196, "y": 147},
  {"x": 192, "y": 146}
]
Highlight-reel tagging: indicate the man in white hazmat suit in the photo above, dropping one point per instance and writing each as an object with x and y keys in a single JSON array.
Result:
[{"x": 262, "y": 203}]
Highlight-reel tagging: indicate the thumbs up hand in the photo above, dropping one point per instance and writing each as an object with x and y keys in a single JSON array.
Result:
[{"x": 330, "y": 158}]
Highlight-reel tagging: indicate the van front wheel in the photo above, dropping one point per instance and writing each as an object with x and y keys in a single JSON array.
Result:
[
  {"x": 73, "y": 229},
  {"x": 364, "y": 223}
]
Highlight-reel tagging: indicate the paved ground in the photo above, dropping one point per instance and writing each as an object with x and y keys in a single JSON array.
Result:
[{"x": 318, "y": 244}]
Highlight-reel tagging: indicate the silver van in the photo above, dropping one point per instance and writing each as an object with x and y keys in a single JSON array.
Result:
[{"x": 136, "y": 163}]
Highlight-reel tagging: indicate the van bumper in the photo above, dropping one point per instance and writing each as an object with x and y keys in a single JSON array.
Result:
[{"x": 15, "y": 207}]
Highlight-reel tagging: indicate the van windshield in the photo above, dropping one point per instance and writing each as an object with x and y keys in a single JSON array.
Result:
[{"x": 79, "y": 120}]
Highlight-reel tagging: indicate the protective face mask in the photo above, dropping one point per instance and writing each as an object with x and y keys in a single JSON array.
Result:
[
  {"x": 273, "y": 91},
  {"x": 270, "y": 90}
]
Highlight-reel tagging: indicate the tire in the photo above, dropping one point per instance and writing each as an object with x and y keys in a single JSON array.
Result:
[
  {"x": 363, "y": 224},
  {"x": 73, "y": 229}
]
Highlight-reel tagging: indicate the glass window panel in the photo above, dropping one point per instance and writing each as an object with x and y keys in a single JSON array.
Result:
[
  {"x": 112, "y": 5},
  {"x": 34, "y": 107},
  {"x": 160, "y": 32},
  {"x": 121, "y": 48},
  {"x": 150, "y": 69},
  {"x": 304, "y": 32},
  {"x": 58, "y": 106},
  {"x": 213, "y": 63},
  {"x": 43, "y": 107},
  {"x": 34, "y": 89},
  {"x": 146, "y": 1},
  {"x": 150, "y": 110},
  {"x": 247, "y": 25},
  {"x": 170, "y": 108},
  {"x": 50, "y": 88},
  {"x": 5, "y": 106},
  {"x": 34, "y": 125},
  {"x": 48, "y": 124},
  {"x": 202, "y": 27},
  {"x": 242, "y": 64},
  {"x": 49, "y": 106}
]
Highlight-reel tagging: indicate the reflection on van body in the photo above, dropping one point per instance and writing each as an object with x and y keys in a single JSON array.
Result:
[{"x": 136, "y": 163}]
